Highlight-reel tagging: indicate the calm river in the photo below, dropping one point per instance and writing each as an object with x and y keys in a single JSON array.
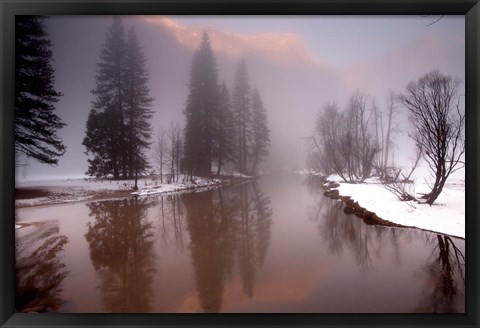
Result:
[{"x": 275, "y": 245}]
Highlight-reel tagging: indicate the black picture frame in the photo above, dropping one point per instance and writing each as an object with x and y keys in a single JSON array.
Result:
[{"x": 10, "y": 8}]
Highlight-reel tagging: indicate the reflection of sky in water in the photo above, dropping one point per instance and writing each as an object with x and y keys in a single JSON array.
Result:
[{"x": 294, "y": 252}]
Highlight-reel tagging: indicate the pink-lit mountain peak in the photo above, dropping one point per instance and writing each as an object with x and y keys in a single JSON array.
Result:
[{"x": 280, "y": 48}]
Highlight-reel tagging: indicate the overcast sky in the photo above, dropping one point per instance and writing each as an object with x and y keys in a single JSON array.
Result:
[
  {"x": 298, "y": 64},
  {"x": 341, "y": 41}
]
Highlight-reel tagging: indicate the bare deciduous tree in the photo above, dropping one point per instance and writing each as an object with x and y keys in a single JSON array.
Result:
[
  {"x": 357, "y": 145},
  {"x": 160, "y": 151},
  {"x": 328, "y": 133},
  {"x": 343, "y": 143},
  {"x": 384, "y": 136},
  {"x": 435, "y": 113},
  {"x": 174, "y": 151}
]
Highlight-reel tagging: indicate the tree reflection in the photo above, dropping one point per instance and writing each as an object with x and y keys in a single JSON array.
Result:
[
  {"x": 331, "y": 230},
  {"x": 171, "y": 223},
  {"x": 40, "y": 272},
  {"x": 121, "y": 242},
  {"x": 253, "y": 233},
  {"x": 445, "y": 283},
  {"x": 211, "y": 244},
  {"x": 445, "y": 271},
  {"x": 314, "y": 184},
  {"x": 347, "y": 232},
  {"x": 222, "y": 224},
  {"x": 341, "y": 232}
]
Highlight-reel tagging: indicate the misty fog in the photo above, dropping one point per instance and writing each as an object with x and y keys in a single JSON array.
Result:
[
  {"x": 298, "y": 65},
  {"x": 240, "y": 164}
]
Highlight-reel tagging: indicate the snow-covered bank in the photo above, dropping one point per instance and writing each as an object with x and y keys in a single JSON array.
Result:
[
  {"x": 197, "y": 182},
  {"x": 41, "y": 192},
  {"x": 38, "y": 192},
  {"x": 446, "y": 215}
]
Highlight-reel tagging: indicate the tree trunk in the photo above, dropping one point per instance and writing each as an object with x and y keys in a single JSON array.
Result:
[
  {"x": 440, "y": 179},
  {"x": 436, "y": 191},
  {"x": 161, "y": 167},
  {"x": 219, "y": 167},
  {"x": 136, "y": 173}
]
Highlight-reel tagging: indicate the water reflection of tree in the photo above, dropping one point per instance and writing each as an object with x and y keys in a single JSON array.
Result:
[
  {"x": 253, "y": 233},
  {"x": 445, "y": 283},
  {"x": 314, "y": 185},
  {"x": 348, "y": 232},
  {"x": 211, "y": 245},
  {"x": 341, "y": 231},
  {"x": 224, "y": 223},
  {"x": 121, "y": 242},
  {"x": 40, "y": 273},
  {"x": 171, "y": 222}
]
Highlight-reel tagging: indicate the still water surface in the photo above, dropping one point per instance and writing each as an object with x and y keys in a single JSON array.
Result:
[{"x": 275, "y": 245}]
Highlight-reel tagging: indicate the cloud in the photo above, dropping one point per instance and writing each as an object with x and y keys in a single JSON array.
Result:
[{"x": 281, "y": 48}]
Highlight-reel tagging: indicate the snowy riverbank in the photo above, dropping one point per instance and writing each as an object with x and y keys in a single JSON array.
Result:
[
  {"x": 39, "y": 192},
  {"x": 446, "y": 215}
]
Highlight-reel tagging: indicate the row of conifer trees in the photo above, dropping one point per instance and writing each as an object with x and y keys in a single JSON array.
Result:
[{"x": 221, "y": 127}]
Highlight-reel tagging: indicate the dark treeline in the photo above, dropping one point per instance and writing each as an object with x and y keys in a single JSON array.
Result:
[
  {"x": 119, "y": 123},
  {"x": 222, "y": 127},
  {"x": 36, "y": 124}
]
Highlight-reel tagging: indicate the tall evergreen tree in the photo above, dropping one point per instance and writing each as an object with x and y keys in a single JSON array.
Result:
[
  {"x": 224, "y": 130},
  {"x": 118, "y": 127},
  {"x": 100, "y": 141},
  {"x": 260, "y": 131},
  {"x": 105, "y": 134},
  {"x": 36, "y": 124},
  {"x": 241, "y": 103},
  {"x": 138, "y": 107},
  {"x": 200, "y": 111}
]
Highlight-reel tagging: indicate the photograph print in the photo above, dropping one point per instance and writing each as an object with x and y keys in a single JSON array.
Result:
[{"x": 240, "y": 164}]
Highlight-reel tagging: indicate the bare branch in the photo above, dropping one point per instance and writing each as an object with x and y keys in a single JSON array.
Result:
[
  {"x": 434, "y": 21},
  {"x": 439, "y": 125}
]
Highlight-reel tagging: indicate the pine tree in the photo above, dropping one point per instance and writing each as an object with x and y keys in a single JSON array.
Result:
[
  {"x": 200, "y": 111},
  {"x": 138, "y": 107},
  {"x": 105, "y": 134},
  {"x": 118, "y": 127},
  {"x": 101, "y": 141},
  {"x": 241, "y": 103},
  {"x": 223, "y": 130},
  {"x": 260, "y": 131},
  {"x": 36, "y": 124}
]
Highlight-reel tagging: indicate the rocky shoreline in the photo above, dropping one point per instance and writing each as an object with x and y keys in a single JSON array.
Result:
[{"x": 352, "y": 207}]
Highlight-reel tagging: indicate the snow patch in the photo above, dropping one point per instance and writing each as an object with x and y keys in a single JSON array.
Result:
[
  {"x": 196, "y": 182},
  {"x": 446, "y": 215},
  {"x": 67, "y": 190}
]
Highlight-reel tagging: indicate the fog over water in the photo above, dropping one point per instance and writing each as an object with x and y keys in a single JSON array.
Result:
[{"x": 298, "y": 65}]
